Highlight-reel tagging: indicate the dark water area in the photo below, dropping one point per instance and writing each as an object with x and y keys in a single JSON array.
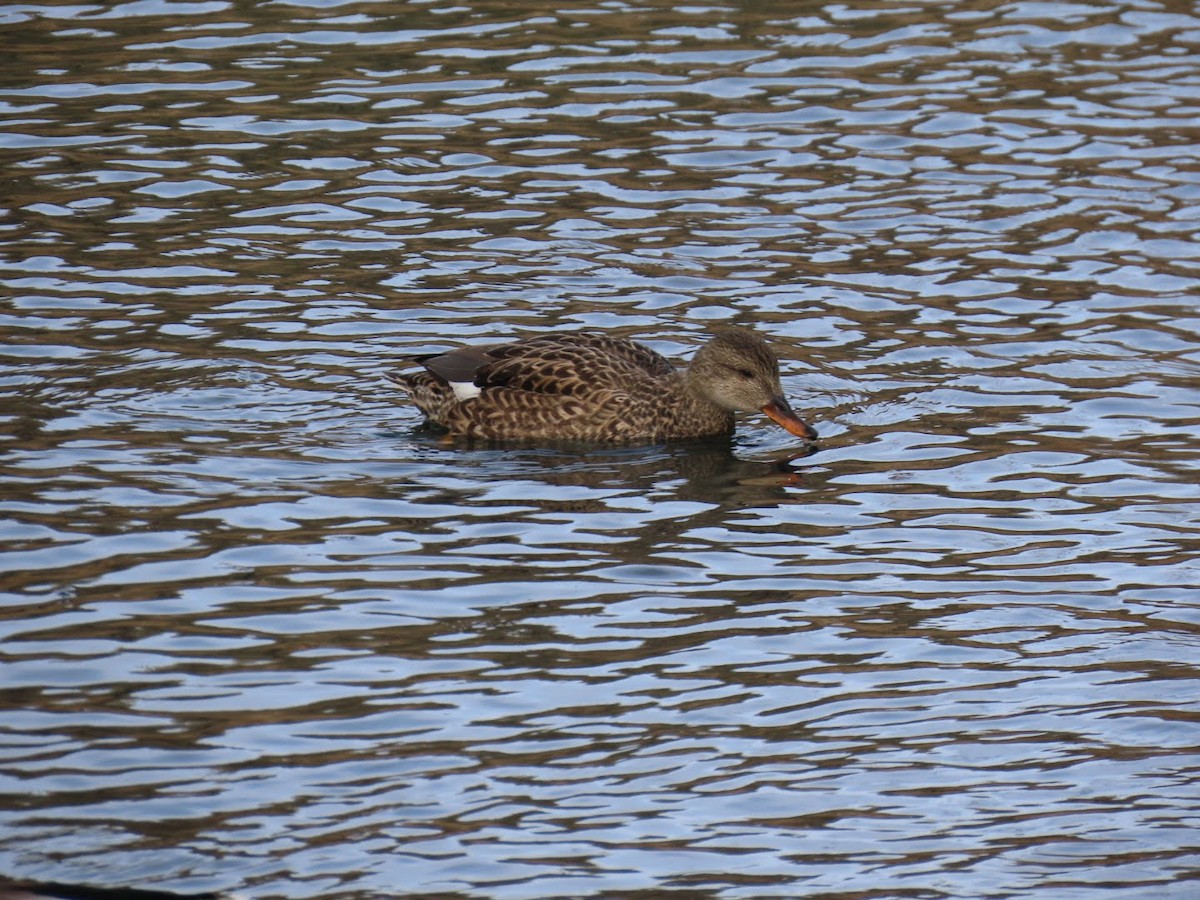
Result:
[{"x": 263, "y": 633}]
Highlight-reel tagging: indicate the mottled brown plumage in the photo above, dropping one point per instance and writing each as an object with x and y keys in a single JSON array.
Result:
[{"x": 590, "y": 387}]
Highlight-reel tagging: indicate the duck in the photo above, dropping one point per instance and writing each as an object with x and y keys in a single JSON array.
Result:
[{"x": 596, "y": 388}]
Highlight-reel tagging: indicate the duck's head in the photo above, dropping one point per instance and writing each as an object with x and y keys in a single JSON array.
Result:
[{"x": 737, "y": 371}]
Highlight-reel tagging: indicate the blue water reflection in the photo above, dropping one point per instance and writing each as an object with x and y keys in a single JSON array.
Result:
[{"x": 264, "y": 633}]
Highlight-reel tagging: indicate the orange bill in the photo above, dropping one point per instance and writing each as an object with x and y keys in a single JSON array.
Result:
[{"x": 780, "y": 413}]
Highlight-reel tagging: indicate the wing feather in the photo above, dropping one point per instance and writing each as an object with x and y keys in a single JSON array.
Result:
[{"x": 573, "y": 365}]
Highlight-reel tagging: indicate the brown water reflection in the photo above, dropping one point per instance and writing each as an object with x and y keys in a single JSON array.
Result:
[{"x": 263, "y": 633}]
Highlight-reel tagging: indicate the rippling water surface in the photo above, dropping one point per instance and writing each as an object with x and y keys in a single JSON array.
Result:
[{"x": 263, "y": 633}]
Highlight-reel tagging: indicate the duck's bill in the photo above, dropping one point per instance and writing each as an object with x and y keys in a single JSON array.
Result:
[{"x": 781, "y": 414}]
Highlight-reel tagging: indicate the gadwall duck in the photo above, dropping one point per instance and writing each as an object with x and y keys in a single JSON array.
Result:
[{"x": 591, "y": 387}]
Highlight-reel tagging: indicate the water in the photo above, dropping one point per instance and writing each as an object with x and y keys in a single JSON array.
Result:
[{"x": 263, "y": 633}]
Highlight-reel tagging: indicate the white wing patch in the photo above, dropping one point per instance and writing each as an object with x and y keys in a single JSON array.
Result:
[{"x": 464, "y": 390}]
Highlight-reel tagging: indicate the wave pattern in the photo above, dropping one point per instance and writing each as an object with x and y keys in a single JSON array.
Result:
[{"x": 262, "y": 633}]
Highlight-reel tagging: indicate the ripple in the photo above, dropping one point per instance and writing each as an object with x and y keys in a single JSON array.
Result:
[{"x": 247, "y": 596}]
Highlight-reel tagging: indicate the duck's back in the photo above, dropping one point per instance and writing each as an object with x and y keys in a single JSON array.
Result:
[{"x": 574, "y": 365}]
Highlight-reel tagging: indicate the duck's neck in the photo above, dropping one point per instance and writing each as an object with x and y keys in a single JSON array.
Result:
[{"x": 699, "y": 415}]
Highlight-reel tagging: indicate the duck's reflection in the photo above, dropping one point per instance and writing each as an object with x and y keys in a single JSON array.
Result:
[
  {"x": 30, "y": 890},
  {"x": 719, "y": 471}
]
